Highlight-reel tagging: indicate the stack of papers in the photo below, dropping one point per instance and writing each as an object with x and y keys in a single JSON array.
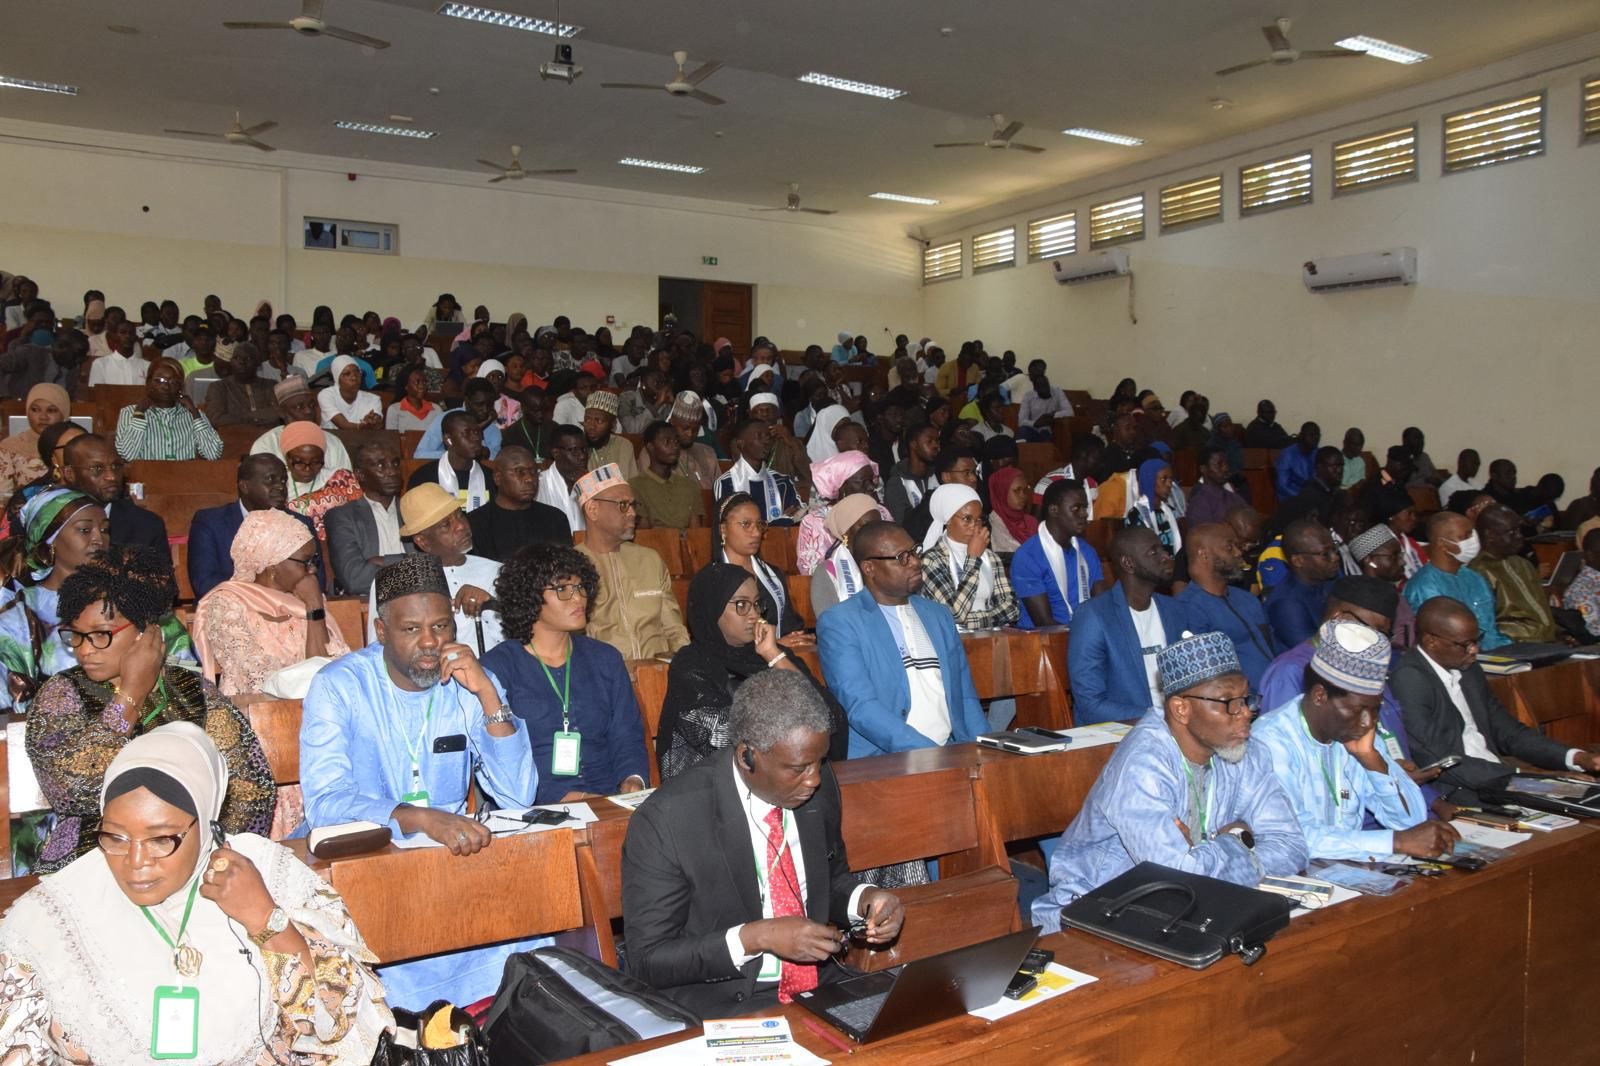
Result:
[
  {"x": 1488, "y": 836},
  {"x": 510, "y": 824},
  {"x": 730, "y": 1042},
  {"x": 1090, "y": 736},
  {"x": 631, "y": 800},
  {"x": 1056, "y": 980}
]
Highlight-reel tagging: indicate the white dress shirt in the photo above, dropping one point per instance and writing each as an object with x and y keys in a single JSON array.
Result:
[
  {"x": 475, "y": 570},
  {"x": 1472, "y": 740},
  {"x": 117, "y": 369},
  {"x": 553, "y": 490},
  {"x": 388, "y": 522}
]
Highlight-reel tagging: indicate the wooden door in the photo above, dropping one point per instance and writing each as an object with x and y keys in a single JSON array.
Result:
[{"x": 726, "y": 310}]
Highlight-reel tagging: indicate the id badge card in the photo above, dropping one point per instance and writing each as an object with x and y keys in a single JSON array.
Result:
[
  {"x": 1391, "y": 744},
  {"x": 419, "y": 798},
  {"x": 564, "y": 754},
  {"x": 771, "y": 968},
  {"x": 175, "y": 1023}
]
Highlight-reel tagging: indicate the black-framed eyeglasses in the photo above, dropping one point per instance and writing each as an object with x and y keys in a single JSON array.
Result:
[
  {"x": 742, "y": 607},
  {"x": 1464, "y": 645},
  {"x": 566, "y": 592},
  {"x": 1233, "y": 707},
  {"x": 154, "y": 847},
  {"x": 97, "y": 638},
  {"x": 903, "y": 558},
  {"x": 625, "y": 506},
  {"x": 309, "y": 562}
]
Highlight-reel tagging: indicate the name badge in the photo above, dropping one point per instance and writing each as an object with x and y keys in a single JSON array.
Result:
[
  {"x": 565, "y": 754},
  {"x": 418, "y": 798},
  {"x": 771, "y": 968},
  {"x": 175, "y": 1023}
]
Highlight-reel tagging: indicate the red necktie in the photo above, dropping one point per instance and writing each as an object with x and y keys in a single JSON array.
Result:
[{"x": 784, "y": 887}]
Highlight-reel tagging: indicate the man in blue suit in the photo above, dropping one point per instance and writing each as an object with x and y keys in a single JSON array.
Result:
[
  {"x": 893, "y": 658},
  {"x": 263, "y": 485},
  {"x": 1111, "y": 658}
]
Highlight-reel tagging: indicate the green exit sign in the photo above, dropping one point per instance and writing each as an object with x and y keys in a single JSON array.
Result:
[{"x": 708, "y": 260}]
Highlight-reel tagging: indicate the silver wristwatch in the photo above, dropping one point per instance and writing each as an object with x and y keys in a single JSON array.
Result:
[
  {"x": 277, "y": 922},
  {"x": 504, "y": 716}
]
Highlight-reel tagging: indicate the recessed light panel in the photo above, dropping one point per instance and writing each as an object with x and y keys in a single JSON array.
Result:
[
  {"x": 1101, "y": 135},
  {"x": 9, "y": 82},
  {"x": 897, "y": 198},
  {"x": 828, "y": 81},
  {"x": 387, "y": 131},
  {"x": 1377, "y": 49},
  {"x": 490, "y": 17},
  {"x": 676, "y": 168}
]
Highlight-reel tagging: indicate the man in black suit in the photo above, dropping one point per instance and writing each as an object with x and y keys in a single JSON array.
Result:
[
  {"x": 92, "y": 466},
  {"x": 356, "y": 546},
  {"x": 1449, "y": 709},
  {"x": 710, "y": 885},
  {"x": 263, "y": 485}
]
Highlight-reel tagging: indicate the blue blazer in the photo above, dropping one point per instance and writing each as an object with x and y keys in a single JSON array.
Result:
[
  {"x": 211, "y": 536},
  {"x": 861, "y": 664},
  {"x": 1105, "y": 665}
]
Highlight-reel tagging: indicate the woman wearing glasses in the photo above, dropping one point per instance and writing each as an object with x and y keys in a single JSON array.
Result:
[
  {"x": 736, "y": 539},
  {"x": 730, "y": 644},
  {"x": 122, "y": 688},
  {"x": 134, "y": 950},
  {"x": 572, "y": 691},
  {"x": 270, "y": 614}
]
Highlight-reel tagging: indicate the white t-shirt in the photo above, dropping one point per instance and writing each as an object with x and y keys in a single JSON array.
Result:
[
  {"x": 115, "y": 369},
  {"x": 1152, "y": 638},
  {"x": 308, "y": 358},
  {"x": 330, "y": 403}
]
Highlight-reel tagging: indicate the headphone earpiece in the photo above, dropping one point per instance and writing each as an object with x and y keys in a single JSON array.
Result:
[{"x": 748, "y": 760}]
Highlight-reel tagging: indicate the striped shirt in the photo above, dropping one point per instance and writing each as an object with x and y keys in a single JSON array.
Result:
[{"x": 166, "y": 433}]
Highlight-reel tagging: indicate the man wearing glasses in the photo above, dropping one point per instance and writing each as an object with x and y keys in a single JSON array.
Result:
[
  {"x": 1295, "y": 607},
  {"x": 636, "y": 611},
  {"x": 1185, "y": 788},
  {"x": 1326, "y": 752}
]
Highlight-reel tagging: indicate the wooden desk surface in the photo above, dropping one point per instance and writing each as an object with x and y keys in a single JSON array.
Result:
[{"x": 1486, "y": 967}]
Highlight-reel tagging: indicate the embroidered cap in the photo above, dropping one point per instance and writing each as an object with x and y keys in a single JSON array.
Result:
[
  {"x": 597, "y": 481},
  {"x": 417, "y": 572},
  {"x": 293, "y": 385},
  {"x": 687, "y": 405},
  {"x": 1353, "y": 656},
  {"x": 602, "y": 401},
  {"x": 1194, "y": 660},
  {"x": 1370, "y": 541}
]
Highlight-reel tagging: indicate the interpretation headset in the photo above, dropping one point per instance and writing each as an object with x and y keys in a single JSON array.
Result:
[{"x": 748, "y": 760}]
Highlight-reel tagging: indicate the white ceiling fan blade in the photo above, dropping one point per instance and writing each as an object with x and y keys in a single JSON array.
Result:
[
  {"x": 500, "y": 178},
  {"x": 816, "y": 211},
  {"x": 1009, "y": 132},
  {"x": 706, "y": 98},
  {"x": 764, "y": 209},
  {"x": 1277, "y": 40},
  {"x": 628, "y": 85},
  {"x": 353, "y": 37},
  {"x": 495, "y": 166},
  {"x": 258, "y": 129},
  {"x": 704, "y": 71},
  {"x": 559, "y": 170},
  {"x": 1224, "y": 72},
  {"x": 1025, "y": 147},
  {"x": 258, "y": 25},
  {"x": 962, "y": 144},
  {"x": 194, "y": 133},
  {"x": 1330, "y": 53},
  {"x": 253, "y": 143}
]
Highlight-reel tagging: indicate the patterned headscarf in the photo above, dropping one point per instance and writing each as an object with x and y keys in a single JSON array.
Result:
[
  {"x": 42, "y": 518},
  {"x": 266, "y": 538},
  {"x": 829, "y": 475}
]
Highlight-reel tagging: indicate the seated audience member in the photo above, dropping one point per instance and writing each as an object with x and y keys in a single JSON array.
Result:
[
  {"x": 77, "y": 954},
  {"x": 820, "y": 442},
  {"x": 1467, "y": 477},
  {"x": 297, "y": 404},
  {"x": 166, "y": 425},
  {"x": 1333, "y": 767},
  {"x": 1087, "y": 452},
  {"x": 1040, "y": 407},
  {"x": 931, "y": 700},
  {"x": 1217, "y": 605},
  {"x": 1264, "y": 431},
  {"x": 437, "y": 526},
  {"x": 605, "y": 446},
  {"x": 270, "y": 613},
  {"x": 1192, "y": 428},
  {"x": 313, "y": 489},
  {"x": 693, "y": 931},
  {"x": 243, "y": 398},
  {"x": 1583, "y": 595},
  {"x": 730, "y": 643},
  {"x": 1521, "y": 602},
  {"x": 838, "y": 575},
  {"x": 636, "y": 611},
  {"x": 1319, "y": 494},
  {"x": 94, "y": 469},
  {"x": 344, "y": 405},
  {"x": 51, "y": 357},
  {"x": 1423, "y": 472},
  {"x": 788, "y": 453},
  {"x": 413, "y": 411},
  {"x": 571, "y": 692},
  {"x": 1153, "y": 507},
  {"x": 125, "y": 363},
  {"x": 46, "y": 405},
  {"x": 913, "y": 477},
  {"x": 668, "y": 498},
  {"x": 1011, "y": 524},
  {"x": 1213, "y": 498},
  {"x": 364, "y": 534},
  {"x": 558, "y": 485},
  {"x": 458, "y": 470},
  {"x": 955, "y": 465},
  {"x": 773, "y": 492},
  {"x": 515, "y": 517},
  {"x": 1297, "y": 462},
  {"x": 1056, "y": 571},
  {"x": 572, "y": 392},
  {"x": 1393, "y": 506},
  {"x": 1353, "y": 460},
  {"x": 648, "y": 400},
  {"x": 392, "y": 733},
  {"x": 477, "y": 403},
  {"x": 263, "y": 486},
  {"x": 1377, "y": 555},
  {"x": 959, "y": 569},
  {"x": 695, "y": 457},
  {"x": 1502, "y": 482},
  {"x": 846, "y": 474},
  {"x": 122, "y": 686},
  {"x": 1450, "y": 709},
  {"x": 1116, "y": 635},
  {"x": 1185, "y": 788},
  {"x": 736, "y": 538},
  {"x": 1452, "y": 544},
  {"x": 1583, "y": 508},
  {"x": 1295, "y": 606}
]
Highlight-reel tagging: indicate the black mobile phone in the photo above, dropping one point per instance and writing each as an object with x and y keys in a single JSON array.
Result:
[
  {"x": 1036, "y": 960},
  {"x": 452, "y": 743},
  {"x": 538, "y": 817},
  {"x": 1021, "y": 985},
  {"x": 1041, "y": 731}
]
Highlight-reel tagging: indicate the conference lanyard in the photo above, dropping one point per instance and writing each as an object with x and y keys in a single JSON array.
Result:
[
  {"x": 185, "y": 969},
  {"x": 415, "y": 750},
  {"x": 565, "y": 746},
  {"x": 1335, "y": 782},
  {"x": 1194, "y": 790},
  {"x": 564, "y": 694},
  {"x": 175, "y": 1009}
]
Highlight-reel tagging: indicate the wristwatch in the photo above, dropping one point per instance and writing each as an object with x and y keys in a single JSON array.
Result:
[
  {"x": 277, "y": 922},
  {"x": 317, "y": 615},
  {"x": 1245, "y": 837},
  {"x": 503, "y": 716}
]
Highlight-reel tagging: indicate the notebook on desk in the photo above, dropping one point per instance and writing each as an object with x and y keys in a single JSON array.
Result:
[{"x": 1525, "y": 652}]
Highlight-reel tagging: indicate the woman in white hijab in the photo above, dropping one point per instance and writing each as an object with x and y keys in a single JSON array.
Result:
[
  {"x": 168, "y": 940},
  {"x": 820, "y": 445},
  {"x": 959, "y": 568}
]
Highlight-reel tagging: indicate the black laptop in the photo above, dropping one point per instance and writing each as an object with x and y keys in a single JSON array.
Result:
[
  {"x": 1575, "y": 799},
  {"x": 873, "y": 1006}
]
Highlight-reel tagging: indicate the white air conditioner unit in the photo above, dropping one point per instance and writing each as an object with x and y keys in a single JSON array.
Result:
[
  {"x": 1368, "y": 270},
  {"x": 1091, "y": 266}
]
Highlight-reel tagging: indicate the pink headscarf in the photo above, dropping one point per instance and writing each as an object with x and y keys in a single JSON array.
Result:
[
  {"x": 265, "y": 538},
  {"x": 829, "y": 475},
  {"x": 299, "y": 434}
]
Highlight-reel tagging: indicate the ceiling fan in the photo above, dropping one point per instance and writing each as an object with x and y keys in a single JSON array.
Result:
[
  {"x": 235, "y": 134},
  {"x": 999, "y": 138},
  {"x": 515, "y": 170},
  {"x": 309, "y": 24},
  {"x": 1283, "y": 53},
  {"x": 793, "y": 204},
  {"x": 682, "y": 83}
]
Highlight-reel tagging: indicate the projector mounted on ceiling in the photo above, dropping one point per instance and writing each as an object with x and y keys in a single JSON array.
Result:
[{"x": 561, "y": 68}]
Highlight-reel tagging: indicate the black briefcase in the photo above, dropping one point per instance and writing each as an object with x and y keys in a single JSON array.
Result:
[{"x": 1185, "y": 918}]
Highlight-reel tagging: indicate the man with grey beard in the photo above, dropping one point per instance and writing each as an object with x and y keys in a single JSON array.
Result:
[{"x": 1185, "y": 789}]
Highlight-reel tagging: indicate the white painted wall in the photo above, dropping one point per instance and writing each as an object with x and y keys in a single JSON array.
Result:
[{"x": 1494, "y": 348}]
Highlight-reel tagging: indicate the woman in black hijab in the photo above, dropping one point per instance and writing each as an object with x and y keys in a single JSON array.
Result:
[{"x": 730, "y": 643}]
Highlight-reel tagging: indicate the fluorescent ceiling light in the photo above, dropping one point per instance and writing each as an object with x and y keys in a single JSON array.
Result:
[
  {"x": 828, "y": 81},
  {"x": 489, "y": 16},
  {"x": 387, "y": 131},
  {"x": 1101, "y": 135},
  {"x": 8, "y": 82},
  {"x": 676, "y": 168},
  {"x": 1377, "y": 49},
  {"x": 897, "y": 198}
]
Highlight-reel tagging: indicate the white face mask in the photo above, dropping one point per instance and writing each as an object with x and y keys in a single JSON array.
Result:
[{"x": 1467, "y": 550}]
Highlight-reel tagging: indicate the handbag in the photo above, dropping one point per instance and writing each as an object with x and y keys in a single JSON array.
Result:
[
  {"x": 554, "y": 1003},
  {"x": 1186, "y": 918},
  {"x": 403, "y": 1045}
]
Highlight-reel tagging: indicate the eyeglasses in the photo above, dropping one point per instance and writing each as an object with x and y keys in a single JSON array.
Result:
[
  {"x": 625, "y": 506},
  {"x": 309, "y": 562},
  {"x": 1330, "y": 552},
  {"x": 567, "y": 592},
  {"x": 903, "y": 557},
  {"x": 1235, "y": 707},
  {"x": 154, "y": 847},
  {"x": 97, "y": 638},
  {"x": 750, "y": 525},
  {"x": 967, "y": 519},
  {"x": 1464, "y": 645},
  {"x": 741, "y": 606}
]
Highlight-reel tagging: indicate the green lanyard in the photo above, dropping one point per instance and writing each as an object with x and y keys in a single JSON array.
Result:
[
  {"x": 1322, "y": 764},
  {"x": 564, "y": 694},
  {"x": 1211, "y": 792},
  {"x": 415, "y": 751},
  {"x": 161, "y": 705},
  {"x": 172, "y": 942},
  {"x": 764, "y": 876},
  {"x": 534, "y": 448}
]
